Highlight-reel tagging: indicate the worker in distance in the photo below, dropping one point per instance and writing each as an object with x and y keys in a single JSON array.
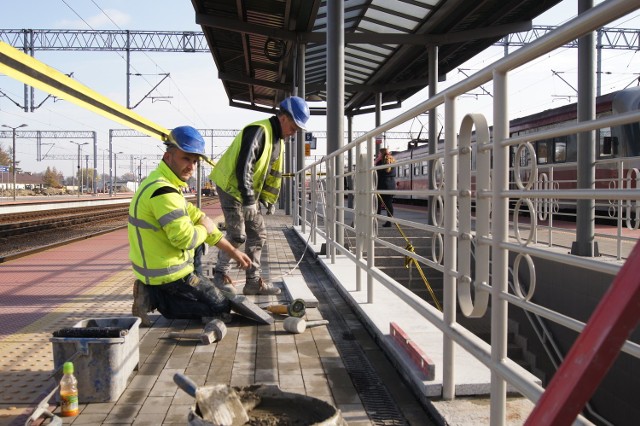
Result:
[
  {"x": 164, "y": 230},
  {"x": 248, "y": 174}
]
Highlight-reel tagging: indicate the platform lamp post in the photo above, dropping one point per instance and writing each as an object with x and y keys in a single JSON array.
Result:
[
  {"x": 115, "y": 173},
  {"x": 13, "y": 154},
  {"x": 140, "y": 170},
  {"x": 79, "y": 167}
]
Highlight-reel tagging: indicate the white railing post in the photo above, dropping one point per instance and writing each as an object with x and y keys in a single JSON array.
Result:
[
  {"x": 313, "y": 187},
  {"x": 450, "y": 246},
  {"x": 500, "y": 231},
  {"x": 302, "y": 200},
  {"x": 330, "y": 211},
  {"x": 361, "y": 216},
  {"x": 371, "y": 222}
]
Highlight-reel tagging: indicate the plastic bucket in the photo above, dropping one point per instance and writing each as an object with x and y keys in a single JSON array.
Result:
[{"x": 102, "y": 365}]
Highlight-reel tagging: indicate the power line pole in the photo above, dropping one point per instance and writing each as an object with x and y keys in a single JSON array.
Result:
[{"x": 13, "y": 154}]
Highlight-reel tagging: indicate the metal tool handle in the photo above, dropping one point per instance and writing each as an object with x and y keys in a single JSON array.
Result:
[
  {"x": 42, "y": 410},
  {"x": 185, "y": 383},
  {"x": 316, "y": 323}
]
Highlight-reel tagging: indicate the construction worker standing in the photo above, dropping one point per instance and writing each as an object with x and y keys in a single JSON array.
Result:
[
  {"x": 249, "y": 173},
  {"x": 164, "y": 229}
]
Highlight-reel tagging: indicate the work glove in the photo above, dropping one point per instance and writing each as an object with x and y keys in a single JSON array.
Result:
[
  {"x": 250, "y": 212},
  {"x": 271, "y": 208}
]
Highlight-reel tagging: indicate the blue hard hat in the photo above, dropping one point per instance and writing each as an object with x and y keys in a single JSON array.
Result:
[
  {"x": 187, "y": 139},
  {"x": 298, "y": 109}
]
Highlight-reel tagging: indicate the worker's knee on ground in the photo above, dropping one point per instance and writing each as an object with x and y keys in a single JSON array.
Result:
[
  {"x": 238, "y": 240},
  {"x": 216, "y": 299}
]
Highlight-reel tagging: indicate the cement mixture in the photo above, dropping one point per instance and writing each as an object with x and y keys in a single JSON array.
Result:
[{"x": 267, "y": 405}]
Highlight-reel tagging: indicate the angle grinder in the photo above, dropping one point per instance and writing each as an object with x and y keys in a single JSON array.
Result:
[{"x": 294, "y": 309}]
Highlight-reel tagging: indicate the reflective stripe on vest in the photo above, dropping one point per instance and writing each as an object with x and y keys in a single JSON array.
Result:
[
  {"x": 267, "y": 175},
  {"x": 139, "y": 224}
]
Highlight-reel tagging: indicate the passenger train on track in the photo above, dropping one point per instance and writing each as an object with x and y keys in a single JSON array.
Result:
[{"x": 617, "y": 153}]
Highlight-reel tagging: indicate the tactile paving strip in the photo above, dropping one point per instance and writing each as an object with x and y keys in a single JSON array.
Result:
[{"x": 26, "y": 358}]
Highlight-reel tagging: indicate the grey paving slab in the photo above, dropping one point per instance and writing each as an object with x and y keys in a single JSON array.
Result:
[
  {"x": 472, "y": 377},
  {"x": 311, "y": 363}
]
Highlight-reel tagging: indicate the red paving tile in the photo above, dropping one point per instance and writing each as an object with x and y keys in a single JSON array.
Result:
[{"x": 35, "y": 285}]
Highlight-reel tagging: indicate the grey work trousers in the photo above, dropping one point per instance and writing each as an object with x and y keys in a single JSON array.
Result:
[{"x": 252, "y": 234}]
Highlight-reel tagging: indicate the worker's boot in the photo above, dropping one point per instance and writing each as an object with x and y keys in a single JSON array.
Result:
[
  {"x": 257, "y": 286},
  {"x": 224, "y": 283},
  {"x": 141, "y": 303}
]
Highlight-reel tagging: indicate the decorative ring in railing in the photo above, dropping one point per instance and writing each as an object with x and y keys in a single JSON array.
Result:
[
  {"x": 437, "y": 211},
  {"x": 516, "y": 278},
  {"x": 473, "y": 303},
  {"x": 533, "y": 162},
  {"x": 544, "y": 206},
  {"x": 555, "y": 186},
  {"x": 437, "y": 248},
  {"x": 632, "y": 214},
  {"x": 516, "y": 220},
  {"x": 374, "y": 197},
  {"x": 612, "y": 211},
  {"x": 437, "y": 175}
]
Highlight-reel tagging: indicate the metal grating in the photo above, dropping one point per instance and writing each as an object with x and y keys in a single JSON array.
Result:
[{"x": 375, "y": 397}]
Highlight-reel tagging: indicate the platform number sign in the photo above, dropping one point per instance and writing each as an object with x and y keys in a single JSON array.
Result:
[{"x": 309, "y": 143}]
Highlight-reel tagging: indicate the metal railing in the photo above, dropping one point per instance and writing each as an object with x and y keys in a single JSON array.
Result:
[{"x": 473, "y": 208}]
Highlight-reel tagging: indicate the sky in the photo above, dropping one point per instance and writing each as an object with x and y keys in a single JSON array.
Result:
[{"x": 193, "y": 95}]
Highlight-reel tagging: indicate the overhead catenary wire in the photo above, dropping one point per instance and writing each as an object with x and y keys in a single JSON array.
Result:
[{"x": 138, "y": 73}]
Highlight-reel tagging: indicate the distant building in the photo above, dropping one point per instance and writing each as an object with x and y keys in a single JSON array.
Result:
[{"x": 23, "y": 181}]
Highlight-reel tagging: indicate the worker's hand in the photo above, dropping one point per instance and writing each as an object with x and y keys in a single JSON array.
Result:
[
  {"x": 250, "y": 212},
  {"x": 271, "y": 208},
  {"x": 208, "y": 223},
  {"x": 244, "y": 261}
]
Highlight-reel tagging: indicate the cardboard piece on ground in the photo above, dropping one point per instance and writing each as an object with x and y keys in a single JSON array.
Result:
[{"x": 296, "y": 288}]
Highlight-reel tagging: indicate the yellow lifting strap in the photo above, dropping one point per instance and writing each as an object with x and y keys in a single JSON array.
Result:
[
  {"x": 29, "y": 70},
  {"x": 408, "y": 261}
]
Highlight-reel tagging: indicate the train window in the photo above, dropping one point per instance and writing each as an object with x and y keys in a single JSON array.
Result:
[
  {"x": 606, "y": 146},
  {"x": 560, "y": 152},
  {"x": 542, "y": 152},
  {"x": 425, "y": 168},
  {"x": 406, "y": 170},
  {"x": 627, "y": 141},
  {"x": 416, "y": 170}
]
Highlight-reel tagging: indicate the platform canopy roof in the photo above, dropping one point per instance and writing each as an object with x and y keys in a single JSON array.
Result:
[{"x": 254, "y": 44}]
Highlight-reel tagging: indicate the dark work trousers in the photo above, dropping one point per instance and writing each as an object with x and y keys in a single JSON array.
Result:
[
  {"x": 386, "y": 183},
  {"x": 197, "y": 259},
  {"x": 191, "y": 297}
]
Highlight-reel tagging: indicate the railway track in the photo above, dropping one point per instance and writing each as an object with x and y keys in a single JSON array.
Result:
[
  {"x": 37, "y": 232},
  {"x": 18, "y": 225},
  {"x": 22, "y": 234}
]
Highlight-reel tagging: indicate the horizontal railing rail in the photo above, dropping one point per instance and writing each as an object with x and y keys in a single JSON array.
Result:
[{"x": 485, "y": 205}]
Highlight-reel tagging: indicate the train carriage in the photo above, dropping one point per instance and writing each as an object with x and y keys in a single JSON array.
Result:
[{"x": 617, "y": 152}]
